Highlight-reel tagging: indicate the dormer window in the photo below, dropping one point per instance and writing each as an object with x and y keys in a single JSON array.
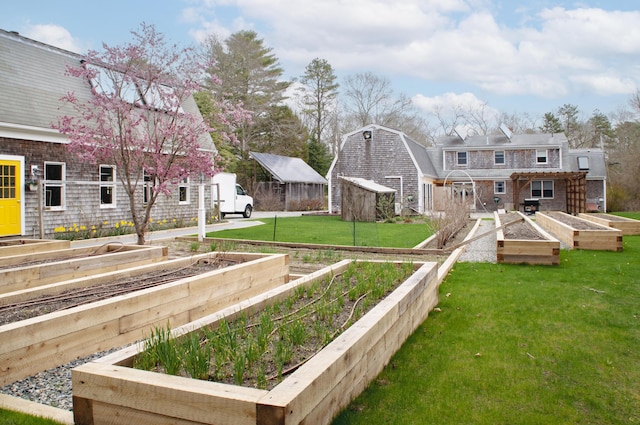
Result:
[
  {"x": 541, "y": 156},
  {"x": 461, "y": 158}
]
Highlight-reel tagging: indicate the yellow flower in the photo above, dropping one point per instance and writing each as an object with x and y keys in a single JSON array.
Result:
[
  {"x": 117, "y": 225},
  {"x": 60, "y": 229},
  {"x": 105, "y": 222},
  {"x": 83, "y": 227}
]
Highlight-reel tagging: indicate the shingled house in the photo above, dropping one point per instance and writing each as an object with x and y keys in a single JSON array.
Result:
[
  {"x": 32, "y": 82},
  {"x": 497, "y": 171}
]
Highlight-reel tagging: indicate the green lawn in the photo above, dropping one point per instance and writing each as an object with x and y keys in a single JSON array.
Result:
[
  {"x": 634, "y": 215},
  {"x": 517, "y": 344},
  {"x": 8, "y": 417},
  {"x": 332, "y": 230}
]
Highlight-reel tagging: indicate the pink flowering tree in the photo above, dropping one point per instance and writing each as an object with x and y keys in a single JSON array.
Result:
[{"x": 142, "y": 119}]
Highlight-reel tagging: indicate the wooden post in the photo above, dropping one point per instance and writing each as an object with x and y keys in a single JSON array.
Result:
[{"x": 40, "y": 208}]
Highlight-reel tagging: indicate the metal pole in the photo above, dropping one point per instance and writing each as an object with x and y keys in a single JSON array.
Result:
[{"x": 275, "y": 222}]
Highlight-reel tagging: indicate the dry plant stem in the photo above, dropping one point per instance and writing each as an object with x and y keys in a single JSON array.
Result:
[
  {"x": 309, "y": 303},
  {"x": 296, "y": 366}
]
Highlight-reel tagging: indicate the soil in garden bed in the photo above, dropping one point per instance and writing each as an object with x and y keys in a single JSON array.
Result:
[
  {"x": 78, "y": 296},
  {"x": 576, "y": 223},
  {"x": 519, "y": 231},
  {"x": 260, "y": 349}
]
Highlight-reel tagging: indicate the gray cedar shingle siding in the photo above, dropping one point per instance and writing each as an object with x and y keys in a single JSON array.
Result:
[
  {"x": 389, "y": 152},
  {"x": 377, "y": 159},
  {"x": 32, "y": 81}
]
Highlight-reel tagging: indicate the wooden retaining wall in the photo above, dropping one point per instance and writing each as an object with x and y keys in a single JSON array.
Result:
[
  {"x": 627, "y": 226},
  {"x": 106, "y": 391},
  {"x": 526, "y": 251},
  {"x": 597, "y": 238},
  {"x": 36, "y": 344},
  {"x": 30, "y": 246},
  {"x": 80, "y": 262}
]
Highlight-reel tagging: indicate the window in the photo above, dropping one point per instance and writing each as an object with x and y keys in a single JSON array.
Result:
[
  {"x": 498, "y": 157},
  {"x": 147, "y": 188},
  {"x": 541, "y": 156},
  {"x": 8, "y": 182},
  {"x": 461, "y": 158},
  {"x": 107, "y": 186},
  {"x": 583, "y": 163},
  {"x": 183, "y": 189},
  {"x": 54, "y": 187},
  {"x": 499, "y": 187},
  {"x": 542, "y": 189}
]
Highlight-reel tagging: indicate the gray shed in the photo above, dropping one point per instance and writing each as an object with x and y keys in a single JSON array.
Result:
[
  {"x": 293, "y": 184},
  {"x": 366, "y": 200}
]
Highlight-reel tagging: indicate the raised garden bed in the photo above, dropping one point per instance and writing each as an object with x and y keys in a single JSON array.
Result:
[
  {"x": 18, "y": 272},
  {"x": 524, "y": 241},
  {"x": 627, "y": 226},
  {"x": 579, "y": 233},
  {"x": 108, "y": 391},
  {"x": 30, "y": 246},
  {"x": 33, "y": 345}
]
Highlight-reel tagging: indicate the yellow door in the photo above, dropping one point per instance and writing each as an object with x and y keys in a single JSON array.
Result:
[{"x": 10, "y": 197}]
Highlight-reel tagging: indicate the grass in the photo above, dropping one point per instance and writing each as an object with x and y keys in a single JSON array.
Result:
[
  {"x": 9, "y": 417},
  {"x": 517, "y": 344},
  {"x": 634, "y": 215},
  {"x": 332, "y": 230}
]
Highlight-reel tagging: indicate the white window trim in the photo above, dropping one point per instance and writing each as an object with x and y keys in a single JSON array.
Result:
[
  {"x": 541, "y": 182},
  {"x": 57, "y": 183},
  {"x": 546, "y": 156},
  {"x": 504, "y": 159},
  {"x": 504, "y": 187},
  {"x": 184, "y": 183},
  {"x": 111, "y": 184}
]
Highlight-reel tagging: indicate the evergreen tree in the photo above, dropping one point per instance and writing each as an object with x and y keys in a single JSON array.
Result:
[{"x": 551, "y": 124}]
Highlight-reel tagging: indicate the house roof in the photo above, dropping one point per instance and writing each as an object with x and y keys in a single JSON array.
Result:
[
  {"x": 493, "y": 141},
  {"x": 287, "y": 169},
  {"x": 593, "y": 159},
  {"x": 369, "y": 185},
  {"x": 33, "y": 80}
]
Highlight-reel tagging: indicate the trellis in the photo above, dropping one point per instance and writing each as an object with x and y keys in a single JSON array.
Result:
[{"x": 576, "y": 184}]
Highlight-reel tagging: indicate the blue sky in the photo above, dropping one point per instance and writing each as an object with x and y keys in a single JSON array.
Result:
[{"x": 512, "y": 56}]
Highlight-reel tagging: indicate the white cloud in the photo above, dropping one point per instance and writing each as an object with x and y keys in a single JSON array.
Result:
[
  {"x": 54, "y": 35},
  {"x": 549, "y": 53}
]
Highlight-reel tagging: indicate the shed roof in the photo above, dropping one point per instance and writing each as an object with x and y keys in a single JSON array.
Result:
[
  {"x": 369, "y": 185},
  {"x": 286, "y": 169}
]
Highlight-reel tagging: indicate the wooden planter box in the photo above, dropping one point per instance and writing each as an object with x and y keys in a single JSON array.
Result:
[
  {"x": 107, "y": 391},
  {"x": 80, "y": 262},
  {"x": 36, "y": 344},
  {"x": 545, "y": 250},
  {"x": 627, "y": 226},
  {"x": 30, "y": 246},
  {"x": 579, "y": 233}
]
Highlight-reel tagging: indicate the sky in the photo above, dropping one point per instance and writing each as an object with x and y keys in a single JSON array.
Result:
[{"x": 513, "y": 57}]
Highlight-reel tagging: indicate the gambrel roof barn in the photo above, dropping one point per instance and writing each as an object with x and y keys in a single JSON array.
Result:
[{"x": 498, "y": 171}]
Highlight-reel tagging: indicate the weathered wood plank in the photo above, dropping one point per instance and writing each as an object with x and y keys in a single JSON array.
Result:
[
  {"x": 61, "y": 336},
  {"x": 31, "y": 246},
  {"x": 171, "y": 396}
]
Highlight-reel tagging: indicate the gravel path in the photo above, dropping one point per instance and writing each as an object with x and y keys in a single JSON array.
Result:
[{"x": 482, "y": 250}]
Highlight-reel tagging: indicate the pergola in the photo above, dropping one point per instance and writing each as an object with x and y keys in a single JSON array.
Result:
[{"x": 576, "y": 182}]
